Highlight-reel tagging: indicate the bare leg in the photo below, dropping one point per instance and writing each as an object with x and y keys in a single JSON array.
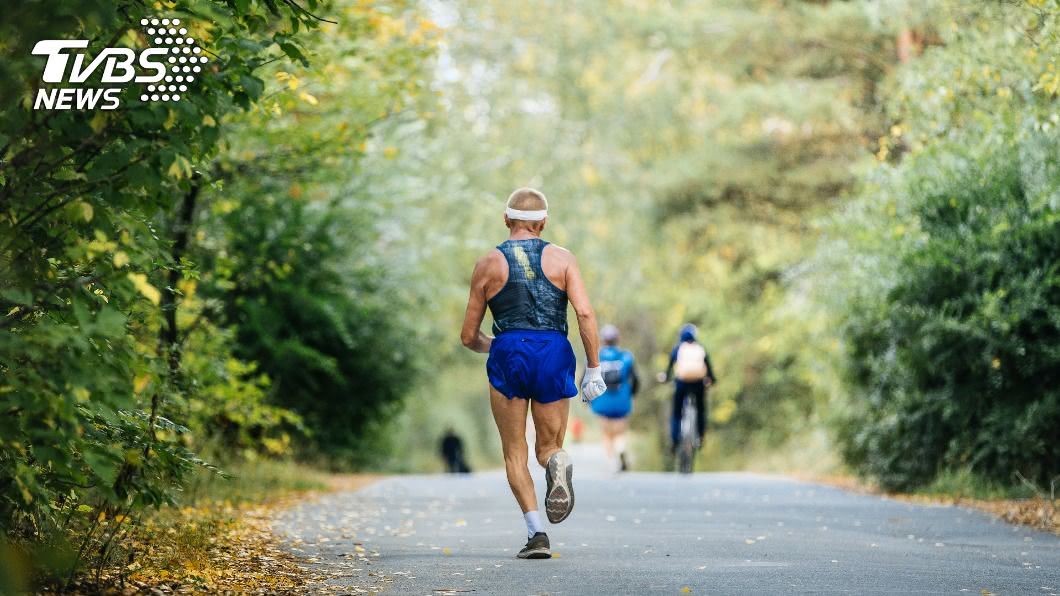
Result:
[
  {"x": 620, "y": 438},
  {"x": 619, "y": 434},
  {"x": 551, "y": 422},
  {"x": 510, "y": 415},
  {"x": 609, "y": 438}
]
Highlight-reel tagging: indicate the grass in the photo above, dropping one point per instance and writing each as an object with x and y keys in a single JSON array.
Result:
[
  {"x": 966, "y": 484},
  {"x": 254, "y": 482}
]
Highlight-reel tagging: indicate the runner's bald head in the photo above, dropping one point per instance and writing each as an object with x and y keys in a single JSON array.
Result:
[
  {"x": 526, "y": 209},
  {"x": 527, "y": 199}
]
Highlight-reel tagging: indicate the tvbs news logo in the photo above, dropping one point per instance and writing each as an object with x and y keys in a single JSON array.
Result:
[{"x": 165, "y": 70}]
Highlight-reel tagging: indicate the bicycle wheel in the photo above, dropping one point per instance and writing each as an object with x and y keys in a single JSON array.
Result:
[
  {"x": 685, "y": 459},
  {"x": 686, "y": 453}
]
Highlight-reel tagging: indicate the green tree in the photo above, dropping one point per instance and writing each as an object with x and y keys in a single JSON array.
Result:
[
  {"x": 289, "y": 244},
  {"x": 97, "y": 214},
  {"x": 951, "y": 306}
]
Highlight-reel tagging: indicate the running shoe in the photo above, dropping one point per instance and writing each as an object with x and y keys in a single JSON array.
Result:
[
  {"x": 559, "y": 495},
  {"x": 536, "y": 547}
]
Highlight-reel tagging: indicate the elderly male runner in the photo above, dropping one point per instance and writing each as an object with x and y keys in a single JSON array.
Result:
[{"x": 527, "y": 282}]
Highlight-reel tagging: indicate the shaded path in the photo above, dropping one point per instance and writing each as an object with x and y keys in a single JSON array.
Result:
[{"x": 642, "y": 533}]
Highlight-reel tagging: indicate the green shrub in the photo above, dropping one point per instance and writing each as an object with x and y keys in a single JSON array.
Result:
[{"x": 956, "y": 360}]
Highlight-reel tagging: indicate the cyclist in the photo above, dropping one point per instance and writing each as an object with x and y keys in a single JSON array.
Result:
[
  {"x": 692, "y": 372},
  {"x": 615, "y": 405},
  {"x": 527, "y": 283}
]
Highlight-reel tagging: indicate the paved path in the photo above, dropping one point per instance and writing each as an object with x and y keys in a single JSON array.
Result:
[{"x": 647, "y": 533}]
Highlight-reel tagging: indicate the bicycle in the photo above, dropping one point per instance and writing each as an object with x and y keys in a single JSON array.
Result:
[{"x": 688, "y": 443}]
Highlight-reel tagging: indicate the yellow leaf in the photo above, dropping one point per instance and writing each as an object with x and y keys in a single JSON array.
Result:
[
  {"x": 168, "y": 124},
  {"x": 140, "y": 383},
  {"x": 187, "y": 287},
  {"x": 98, "y": 122},
  {"x": 81, "y": 394},
  {"x": 102, "y": 516},
  {"x": 309, "y": 99},
  {"x": 686, "y": 590},
  {"x": 150, "y": 292},
  {"x": 86, "y": 210},
  {"x": 208, "y": 120},
  {"x": 390, "y": 152},
  {"x": 14, "y": 310},
  {"x": 180, "y": 168},
  {"x": 120, "y": 259}
]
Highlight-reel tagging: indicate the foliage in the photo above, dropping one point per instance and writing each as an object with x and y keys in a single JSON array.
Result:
[
  {"x": 952, "y": 288},
  {"x": 227, "y": 400},
  {"x": 288, "y": 245},
  {"x": 84, "y": 210},
  {"x": 319, "y": 322},
  {"x": 121, "y": 284}
]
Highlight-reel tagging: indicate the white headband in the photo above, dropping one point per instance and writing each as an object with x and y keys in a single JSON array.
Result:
[{"x": 526, "y": 215}]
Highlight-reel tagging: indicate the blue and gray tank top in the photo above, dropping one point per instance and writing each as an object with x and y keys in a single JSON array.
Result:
[{"x": 528, "y": 300}]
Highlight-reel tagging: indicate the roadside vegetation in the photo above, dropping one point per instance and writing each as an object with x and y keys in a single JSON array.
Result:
[{"x": 190, "y": 286}]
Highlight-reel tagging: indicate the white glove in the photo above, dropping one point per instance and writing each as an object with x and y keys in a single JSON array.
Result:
[{"x": 593, "y": 385}]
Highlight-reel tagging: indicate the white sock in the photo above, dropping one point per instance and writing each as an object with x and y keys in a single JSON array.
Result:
[{"x": 533, "y": 523}]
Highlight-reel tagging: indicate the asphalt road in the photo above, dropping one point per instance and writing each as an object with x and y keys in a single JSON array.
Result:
[{"x": 647, "y": 533}]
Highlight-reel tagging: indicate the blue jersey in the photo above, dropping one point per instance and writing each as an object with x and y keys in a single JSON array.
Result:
[{"x": 617, "y": 401}]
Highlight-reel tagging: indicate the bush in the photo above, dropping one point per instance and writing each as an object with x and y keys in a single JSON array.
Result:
[{"x": 956, "y": 363}]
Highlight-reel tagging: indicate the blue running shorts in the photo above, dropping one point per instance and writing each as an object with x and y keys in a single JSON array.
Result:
[{"x": 532, "y": 364}]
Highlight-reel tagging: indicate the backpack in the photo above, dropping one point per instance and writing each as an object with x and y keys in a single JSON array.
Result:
[
  {"x": 690, "y": 364},
  {"x": 612, "y": 373}
]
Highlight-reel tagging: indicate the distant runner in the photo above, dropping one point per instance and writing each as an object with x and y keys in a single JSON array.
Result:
[
  {"x": 451, "y": 448},
  {"x": 527, "y": 282},
  {"x": 615, "y": 405},
  {"x": 692, "y": 373}
]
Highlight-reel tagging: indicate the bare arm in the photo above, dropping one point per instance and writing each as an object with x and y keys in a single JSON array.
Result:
[
  {"x": 579, "y": 299},
  {"x": 471, "y": 334}
]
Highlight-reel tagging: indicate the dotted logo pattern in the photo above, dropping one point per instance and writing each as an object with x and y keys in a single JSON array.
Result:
[{"x": 185, "y": 61}]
